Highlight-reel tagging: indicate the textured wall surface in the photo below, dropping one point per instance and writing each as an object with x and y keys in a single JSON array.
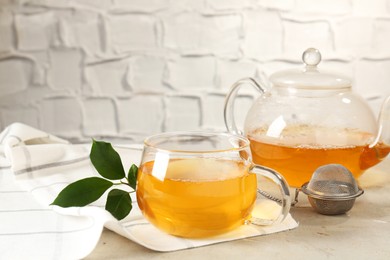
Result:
[{"x": 126, "y": 69}]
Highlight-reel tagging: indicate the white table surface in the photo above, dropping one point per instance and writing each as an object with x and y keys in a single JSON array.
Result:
[{"x": 362, "y": 233}]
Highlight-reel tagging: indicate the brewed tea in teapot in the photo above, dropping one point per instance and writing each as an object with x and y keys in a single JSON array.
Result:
[{"x": 309, "y": 118}]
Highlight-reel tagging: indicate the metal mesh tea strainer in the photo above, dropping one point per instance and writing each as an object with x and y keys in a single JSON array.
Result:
[{"x": 332, "y": 190}]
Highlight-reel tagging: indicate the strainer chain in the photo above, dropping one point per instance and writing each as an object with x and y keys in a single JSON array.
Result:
[{"x": 277, "y": 200}]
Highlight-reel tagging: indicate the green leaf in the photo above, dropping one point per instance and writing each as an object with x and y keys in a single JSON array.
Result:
[
  {"x": 106, "y": 160},
  {"x": 132, "y": 176},
  {"x": 118, "y": 203},
  {"x": 82, "y": 192}
]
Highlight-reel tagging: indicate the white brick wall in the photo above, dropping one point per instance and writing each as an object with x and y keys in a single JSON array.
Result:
[
  {"x": 146, "y": 73},
  {"x": 6, "y": 39},
  {"x": 14, "y": 75},
  {"x": 64, "y": 71},
  {"x": 106, "y": 77},
  {"x": 183, "y": 112},
  {"x": 131, "y": 32},
  {"x": 99, "y": 117},
  {"x": 35, "y": 31},
  {"x": 188, "y": 73},
  {"x": 141, "y": 114},
  {"x": 263, "y": 32},
  {"x": 127, "y": 69},
  {"x": 62, "y": 115}
]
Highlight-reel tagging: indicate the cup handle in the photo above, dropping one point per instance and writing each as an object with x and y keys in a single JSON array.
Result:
[{"x": 285, "y": 201}]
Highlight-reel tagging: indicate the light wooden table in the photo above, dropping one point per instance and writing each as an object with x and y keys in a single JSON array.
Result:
[{"x": 362, "y": 233}]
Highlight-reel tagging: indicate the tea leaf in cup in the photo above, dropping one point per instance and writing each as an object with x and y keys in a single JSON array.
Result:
[
  {"x": 82, "y": 192},
  {"x": 106, "y": 161},
  {"x": 118, "y": 203}
]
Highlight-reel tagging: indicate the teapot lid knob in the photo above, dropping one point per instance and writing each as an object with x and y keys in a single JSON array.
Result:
[{"x": 311, "y": 57}]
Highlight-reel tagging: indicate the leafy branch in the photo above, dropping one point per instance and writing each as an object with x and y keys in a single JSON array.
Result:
[{"x": 108, "y": 164}]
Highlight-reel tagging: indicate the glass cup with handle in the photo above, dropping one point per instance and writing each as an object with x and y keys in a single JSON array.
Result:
[{"x": 202, "y": 184}]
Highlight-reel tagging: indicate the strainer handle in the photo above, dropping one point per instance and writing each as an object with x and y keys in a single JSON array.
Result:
[{"x": 285, "y": 201}]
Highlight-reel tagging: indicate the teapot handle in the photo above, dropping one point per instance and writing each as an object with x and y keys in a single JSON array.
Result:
[
  {"x": 228, "y": 111},
  {"x": 383, "y": 134}
]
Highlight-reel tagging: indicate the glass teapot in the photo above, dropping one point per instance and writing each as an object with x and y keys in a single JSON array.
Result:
[{"x": 310, "y": 118}]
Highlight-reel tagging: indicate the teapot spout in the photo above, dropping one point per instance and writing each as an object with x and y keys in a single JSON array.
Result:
[{"x": 383, "y": 135}]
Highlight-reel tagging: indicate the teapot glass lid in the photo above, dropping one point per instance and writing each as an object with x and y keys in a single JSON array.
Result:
[{"x": 310, "y": 77}]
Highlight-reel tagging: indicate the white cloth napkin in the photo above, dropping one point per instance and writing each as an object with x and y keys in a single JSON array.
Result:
[{"x": 36, "y": 166}]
